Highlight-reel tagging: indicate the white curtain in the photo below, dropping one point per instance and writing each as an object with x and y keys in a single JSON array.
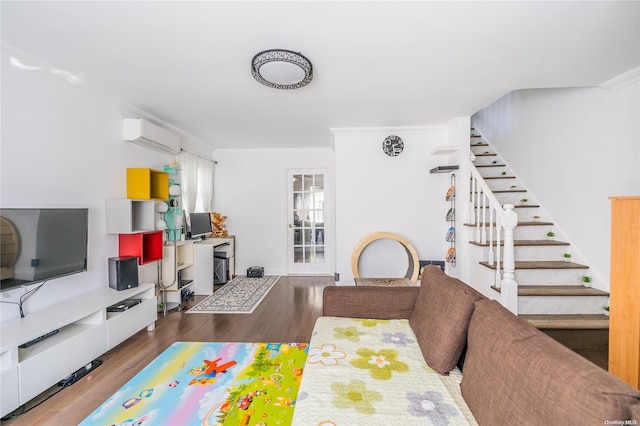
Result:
[{"x": 196, "y": 182}]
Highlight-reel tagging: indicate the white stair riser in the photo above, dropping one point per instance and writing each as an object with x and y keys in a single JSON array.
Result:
[
  {"x": 495, "y": 171},
  {"x": 514, "y": 198},
  {"x": 550, "y": 276},
  {"x": 525, "y": 214},
  {"x": 550, "y": 305},
  {"x": 484, "y": 161},
  {"x": 505, "y": 185},
  {"x": 537, "y": 232},
  {"x": 537, "y": 253},
  {"x": 547, "y": 276}
]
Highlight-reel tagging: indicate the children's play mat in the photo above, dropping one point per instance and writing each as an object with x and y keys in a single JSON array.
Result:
[{"x": 210, "y": 383}]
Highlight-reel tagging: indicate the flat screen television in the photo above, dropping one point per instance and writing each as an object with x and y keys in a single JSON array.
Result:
[
  {"x": 42, "y": 244},
  {"x": 200, "y": 225}
]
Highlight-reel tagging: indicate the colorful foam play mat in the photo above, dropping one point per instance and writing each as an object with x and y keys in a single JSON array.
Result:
[{"x": 210, "y": 383}]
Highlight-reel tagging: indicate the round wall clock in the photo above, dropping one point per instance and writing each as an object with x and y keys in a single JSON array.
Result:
[{"x": 392, "y": 146}]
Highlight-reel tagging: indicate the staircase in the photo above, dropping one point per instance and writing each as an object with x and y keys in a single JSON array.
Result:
[{"x": 548, "y": 287}]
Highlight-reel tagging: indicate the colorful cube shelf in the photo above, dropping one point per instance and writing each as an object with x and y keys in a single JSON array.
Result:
[
  {"x": 147, "y": 184},
  {"x": 146, "y": 246}
]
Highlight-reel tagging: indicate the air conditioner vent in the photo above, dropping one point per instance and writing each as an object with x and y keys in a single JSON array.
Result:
[{"x": 150, "y": 136}]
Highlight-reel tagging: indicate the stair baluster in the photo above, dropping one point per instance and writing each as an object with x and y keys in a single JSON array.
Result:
[
  {"x": 498, "y": 277},
  {"x": 477, "y": 208},
  {"x": 483, "y": 238},
  {"x": 491, "y": 259},
  {"x": 508, "y": 285},
  {"x": 472, "y": 201}
]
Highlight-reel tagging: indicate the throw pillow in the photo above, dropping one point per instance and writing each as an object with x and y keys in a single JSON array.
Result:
[{"x": 440, "y": 318}]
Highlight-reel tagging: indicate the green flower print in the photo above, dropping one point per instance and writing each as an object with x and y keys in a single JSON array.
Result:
[
  {"x": 350, "y": 333},
  {"x": 380, "y": 364},
  {"x": 370, "y": 322},
  {"x": 355, "y": 395}
]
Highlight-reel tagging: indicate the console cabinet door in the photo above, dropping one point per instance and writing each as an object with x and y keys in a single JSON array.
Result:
[{"x": 624, "y": 320}]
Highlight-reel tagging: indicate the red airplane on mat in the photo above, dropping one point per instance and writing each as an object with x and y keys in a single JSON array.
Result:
[{"x": 208, "y": 375}]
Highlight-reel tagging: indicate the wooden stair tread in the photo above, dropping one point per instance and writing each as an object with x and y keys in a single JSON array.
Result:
[
  {"x": 556, "y": 290},
  {"x": 506, "y": 191},
  {"x": 486, "y": 154},
  {"x": 525, "y": 243},
  {"x": 578, "y": 321},
  {"x": 541, "y": 264},
  {"x": 532, "y": 223},
  {"x": 499, "y": 177},
  {"x": 490, "y": 165}
]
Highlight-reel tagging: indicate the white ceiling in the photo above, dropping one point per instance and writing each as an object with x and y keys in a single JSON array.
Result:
[{"x": 376, "y": 64}]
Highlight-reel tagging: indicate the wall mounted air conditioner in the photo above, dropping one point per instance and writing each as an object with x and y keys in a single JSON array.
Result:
[{"x": 149, "y": 135}]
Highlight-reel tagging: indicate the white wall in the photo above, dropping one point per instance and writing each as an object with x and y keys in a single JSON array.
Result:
[
  {"x": 375, "y": 192},
  {"x": 62, "y": 147},
  {"x": 250, "y": 188},
  {"x": 572, "y": 148}
]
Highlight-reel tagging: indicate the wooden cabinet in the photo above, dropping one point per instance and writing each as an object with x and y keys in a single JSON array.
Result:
[
  {"x": 624, "y": 320},
  {"x": 147, "y": 184},
  {"x": 146, "y": 246}
]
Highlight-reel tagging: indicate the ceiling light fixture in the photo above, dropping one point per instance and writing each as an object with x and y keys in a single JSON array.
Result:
[{"x": 281, "y": 69}]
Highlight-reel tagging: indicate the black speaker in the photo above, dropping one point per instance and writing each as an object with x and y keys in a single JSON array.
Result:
[{"x": 123, "y": 272}]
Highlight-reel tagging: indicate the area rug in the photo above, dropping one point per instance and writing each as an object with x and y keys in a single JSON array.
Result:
[
  {"x": 210, "y": 383},
  {"x": 239, "y": 296}
]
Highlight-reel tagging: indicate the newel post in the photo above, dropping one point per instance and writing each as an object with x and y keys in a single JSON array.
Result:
[{"x": 509, "y": 286}]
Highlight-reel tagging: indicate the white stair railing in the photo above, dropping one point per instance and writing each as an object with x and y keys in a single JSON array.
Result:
[{"x": 483, "y": 203}]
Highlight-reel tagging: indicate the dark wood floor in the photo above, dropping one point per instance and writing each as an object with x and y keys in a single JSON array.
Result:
[{"x": 287, "y": 314}]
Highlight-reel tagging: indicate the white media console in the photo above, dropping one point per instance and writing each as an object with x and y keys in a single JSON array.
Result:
[{"x": 86, "y": 331}]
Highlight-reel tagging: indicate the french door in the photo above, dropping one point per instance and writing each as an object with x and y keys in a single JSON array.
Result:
[{"x": 309, "y": 231}]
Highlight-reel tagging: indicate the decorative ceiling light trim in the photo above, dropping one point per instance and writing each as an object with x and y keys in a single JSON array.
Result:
[{"x": 286, "y": 57}]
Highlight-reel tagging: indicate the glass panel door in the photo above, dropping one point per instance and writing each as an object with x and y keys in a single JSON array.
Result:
[{"x": 307, "y": 224}]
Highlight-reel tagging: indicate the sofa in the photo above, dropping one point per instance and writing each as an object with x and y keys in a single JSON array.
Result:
[{"x": 444, "y": 354}]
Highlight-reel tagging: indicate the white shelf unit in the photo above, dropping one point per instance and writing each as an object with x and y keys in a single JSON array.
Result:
[
  {"x": 178, "y": 258},
  {"x": 445, "y": 150},
  {"x": 126, "y": 216},
  {"x": 86, "y": 331}
]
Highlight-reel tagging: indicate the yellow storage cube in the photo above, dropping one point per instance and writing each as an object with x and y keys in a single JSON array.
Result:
[{"x": 147, "y": 184}]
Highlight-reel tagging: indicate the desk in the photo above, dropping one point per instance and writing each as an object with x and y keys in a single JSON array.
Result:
[{"x": 204, "y": 254}]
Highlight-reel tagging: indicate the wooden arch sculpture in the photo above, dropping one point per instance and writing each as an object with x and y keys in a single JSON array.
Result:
[{"x": 414, "y": 262}]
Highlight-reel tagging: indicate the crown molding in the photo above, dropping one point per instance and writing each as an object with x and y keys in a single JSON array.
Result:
[
  {"x": 622, "y": 80},
  {"x": 406, "y": 130}
]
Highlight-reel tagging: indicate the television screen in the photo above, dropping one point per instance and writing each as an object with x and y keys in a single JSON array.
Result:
[
  {"x": 200, "y": 225},
  {"x": 42, "y": 244}
]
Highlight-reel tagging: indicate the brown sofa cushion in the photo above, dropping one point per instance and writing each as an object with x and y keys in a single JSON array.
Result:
[
  {"x": 369, "y": 302},
  {"x": 515, "y": 374},
  {"x": 441, "y": 317}
]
